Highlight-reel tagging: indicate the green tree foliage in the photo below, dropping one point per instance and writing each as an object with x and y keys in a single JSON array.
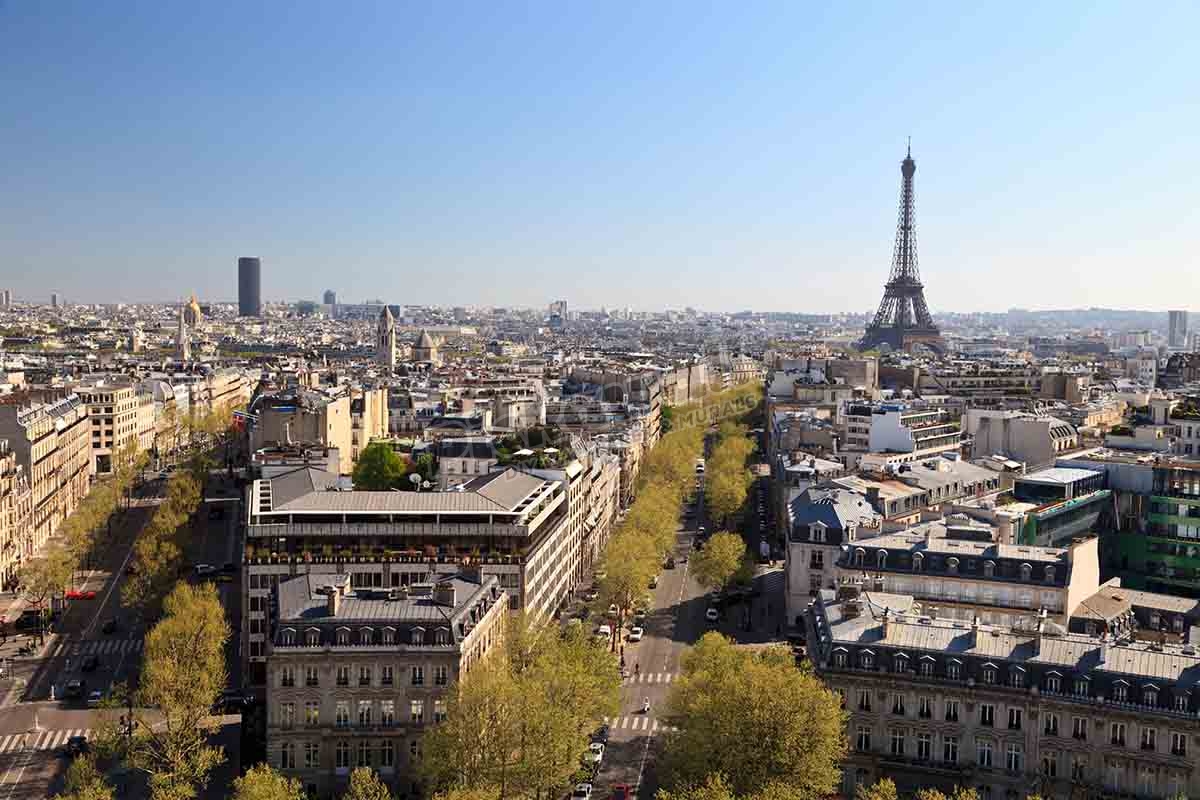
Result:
[
  {"x": 262, "y": 782},
  {"x": 379, "y": 468},
  {"x": 365, "y": 784},
  {"x": 85, "y": 782},
  {"x": 158, "y": 553},
  {"x": 714, "y": 787},
  {"x": 959, "y": 793},
  {"x": 727, "y": 697},
  {"x": 183, "y": 674},
  {"x": 518, "y": 723},
  {"x": 717, "y": 564},
  {"x": 727, "y": 481},
  {"x": 882, "y": 789},
  {"x": 630, "y": 562}
]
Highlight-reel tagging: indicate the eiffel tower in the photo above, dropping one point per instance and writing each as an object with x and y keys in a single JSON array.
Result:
[{"x": 903, "y": 319}]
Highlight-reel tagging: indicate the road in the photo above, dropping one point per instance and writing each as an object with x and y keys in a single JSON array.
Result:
[{"x": 34, "y": 711}]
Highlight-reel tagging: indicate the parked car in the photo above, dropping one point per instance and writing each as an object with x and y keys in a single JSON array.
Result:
[
  {"x": 601, "y": 734},
  {"x": 639, "y": 617},
  {"x": 202, "y": 570},
  {"x": 635, "y": 634},
  {"x": 95, "y": 698},
  {"x": 74, "y": 689},
  {"x": 590, "y": 595},
  {"x": 622, "y": 791},
  {"x": 654, "y": 582},
  {"x": 76, "y": 746},
  {"x": 90, "y": 663},
  {"x": 613, "y": 610},
  {"x": 670, "y": 562},
  {"x": 604, "y": 631},
  {"x": 583, "y": 791},
  {"x": 596, "y": 753}
]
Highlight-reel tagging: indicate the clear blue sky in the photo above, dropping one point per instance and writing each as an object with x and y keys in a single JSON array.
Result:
[{"x": 651, "y": 155}]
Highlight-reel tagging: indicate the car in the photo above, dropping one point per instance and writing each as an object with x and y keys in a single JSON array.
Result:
[
  {"x": 669, "y": 563},
  {"x": 601, "y": 574},
  {"x": 231, "y": 702},
  {"x": 596, "y": 752},
  {"x": 654, "y": 582},
  {"x": 583, "y": 791},
  {"x": 712, "y": 615},
  {"x": 639, "y": 617},
  {"x": 76, "y": 746},
  {"x": 74, "y": 689},
  {"x": 622, "y": 791},
  {"x": 109, "y": 626},
  {"x": 95, "y": 698},
  {"x": 80, "y": 594},
  {"x": 635, "y": 635},
  {"x": 604, "y": 631},
  {"x": 613, "y": 610},
  {"x": 202, "y": 570},
  {"x": 591, "y": 595},
  {"x": 601, "y": 734},
  {"x": 90, "y": 663},
  {"x": 701, "y": 531}
]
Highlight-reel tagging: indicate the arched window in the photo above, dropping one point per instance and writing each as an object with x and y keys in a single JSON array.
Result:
[
  {"x": 881, "y": 559},
  {"x": 860, "y": 556},
  {"x": 952, "y": 565},
  {"x": 1026, "y": 572},
  {"x": 866, "y": 659},
  {"x": 989, "y": 569},
  {"x": 418, "y": 636},
  {"x": 1049, "y": 574},
  {"x": 918, "y": 560}
]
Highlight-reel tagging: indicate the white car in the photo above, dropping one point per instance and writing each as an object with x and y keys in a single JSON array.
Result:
[
  {"x": 590, "y": 595},
  {"x": 635, "y": 635},
  {"x": 596, "y": 752},
  {"x": 613, "y": 610},
  {"x": 604, "y": 631},
  {"x": 583, "y": 791},
  {"x": 205, "y": 569},
  {"x": 712, "y": 615}
]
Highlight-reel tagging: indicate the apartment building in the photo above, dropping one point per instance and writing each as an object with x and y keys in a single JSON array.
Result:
[
  {"x": 368, "y": 419},
  {"x": 358, "y": 674},
  {"x": 954, "y": 565},
  {"x": 304, "y": 415},
  {"x": 52, "y": 442},
  {"x": 113, "y": 413},
  {"x": 513, "y": 524},
  {"x": 16, "y": 506},
  {"x": 1009, "y": 711},
  {"x": 1035, "y": 440},
  {"x": 899, "y": 433},
  {"x": 464, "y": 458}
]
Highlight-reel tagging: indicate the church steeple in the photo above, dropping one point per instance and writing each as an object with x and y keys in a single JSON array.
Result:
[{"x": 385, "y": 339}]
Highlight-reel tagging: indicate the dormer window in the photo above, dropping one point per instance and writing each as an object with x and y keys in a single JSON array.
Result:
[
  {"x": 839, "y": 658},
  {"x": 1026, "y": 572},
  {"x": 418, "y": 636},
  {"x": 1150, "y": 696},
  {"x": 287, "y": 637},
  {"x": 901, "y": 663},
  {"x": 343, "y": 637},
  {"x": 989, "y": 674},
  {"x": 1049, "y": 574},
  {"x": 389, "y": 635},
  {"x": 918, "y": 560},
  {"x": 954, "y": 669},
  {"x": 1053, "y": 683},
  {"x": 365, "y": 636},
  {"x": 989, "y": 569},
  {"x": 927, "y": 667},
  {"x": 952, "y": 565},
  {"x": 860, "y": 557},
  {"x": 312, "y": 637},
  {"x": 851, "y": 530},
  {"x": 1082, "y": 687},
  {"x": 1016, "y": 678},
  {"x": 1120, "y": 692},
  {"x": 866, "y": 659},
  {"x": 441, "y": 636},
  {"x": 816, "y": 532},
  {"x": 881, "y": 559}
]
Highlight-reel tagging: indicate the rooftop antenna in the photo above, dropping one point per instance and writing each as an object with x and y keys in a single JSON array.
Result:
[{"x": 909, "y": 152}]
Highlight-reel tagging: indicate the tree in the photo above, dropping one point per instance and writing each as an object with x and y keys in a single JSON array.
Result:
[
  {"x": 183, "y": 674},
  {"x": 719, "y": 561},
  {"x": 45, "y": 576},
  {"x": 262, "y": 782},
  {"x": 85, "y": 782},
  {"x": 959, "y": 793},
  {"x": 726, "y": 697},
  {"x": 366, "y": 785},
  {"x": 882, "y": 789},
  {"x": 714, "y": 787},
  {"x": 379, "y": 468},
  {"x": 630, "y": 562}
]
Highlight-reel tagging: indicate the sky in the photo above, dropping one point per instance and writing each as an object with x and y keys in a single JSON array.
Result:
[{"x": 722, "y": 156}]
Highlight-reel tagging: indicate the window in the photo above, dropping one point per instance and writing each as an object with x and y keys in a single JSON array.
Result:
[
  {"x": 954, "y": 670},
  {"x": 364, "y": 713},
  {"x": 1053, "y": 684},
  {"x": 389, "y": 635},
  {"x": 287, "y": 715},
  {"x": 364, "y": 676},
  {"x": 918, "y": 559},
  {"x": 1051, "y": 724},
  {"x": 1150, "y": 696},
  {"x": 1147, "y": 778},
  {"x": 364, "y": 753},
  {"x": 441, "y": 675},
  {"x": 1016, "y": 678},
  {"x": 1082, "y": 687},
  {"x": 866, "y": 659},
  {"x": 312, "y": 754},
  {"x": 987, "y": 714},
  {"x": 1120, "y": 692},
  {"x": 859, "y": 556},
  {"x": 1049, "y": 574},
  {"x": 1179, "y": 744},
  {"x": 287, "y": 756},
  {"x": 312, "y": 637},
  {"x": 343, "y": 636},
  {"x": 310, "y": 676},
  {"x": 898, "y": 704},
  {"x": 387, "y": 712},
  {"x": 925, "y": 708},
  {"x": 952, "y": 711},
  {"x": 417, "y": 709},
  {"x": 414, "y": 748},
  {"x": 862, "y": 742},
  {"x": 924, "y": 746},
  {"x": 1181, "y": 702},
  {"x": 343, "y": 676},
  {"x": 1014, "y": 719},
  {"x": 386, "y": 676},
  {"x": 1078, "y": 767},
  {"x": 839, "y": 658},
  {"x": 439, "y": 710},
  {"x": 927, "y": 668},
  {"x": 387, "y": 753},
  {"x": 1026, "y": 572},
  {"x": 1149, "y": 738},
  {"x": 897, "y": 741},
  {"x": 901, "y": 663},
  {"x": 1079, "y": 728},
  {"x": 881, "y": 559},
  {"x": 366, "y": 636},
  {"x": 1117, "y": 734},
  {"x": 983, "y": 752},
  {"x": 864, "y": 700},
  {"x": 287, "y": 637},
  {"x": 418, "y": 636},
  {"x": 989, "y": 569},
  {"x": 312, "y": 713},
  {"x": 817, "y": 531},
  {"x": 1050, "y": 764},
  {"x": 342, "y": 752},
  {"x": 1014, "y": 758},
  {"x": 287, "y": 676},
  {"x": 342, "y": 714},
  {"x": 418, "y": 676},
  {"x": 989, "y": 674},
  {"x": 816, "y": 559},
  {"x": 950, "y": 749}
]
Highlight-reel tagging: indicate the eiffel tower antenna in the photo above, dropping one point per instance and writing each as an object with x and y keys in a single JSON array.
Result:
[{"x": 903, "y": 318}]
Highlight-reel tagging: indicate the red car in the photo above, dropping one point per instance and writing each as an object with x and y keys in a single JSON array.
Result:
[{"x": 75, "y": 594}]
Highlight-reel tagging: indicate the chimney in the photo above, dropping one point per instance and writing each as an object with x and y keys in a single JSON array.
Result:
[
  {"x": 975, "y": 631},
  {"x": 1103, "y": 652},
  {"x": 333, "y": 600},
  {"x": 444, "y": 594},
  {"x": 887, "y": 619},
  {"x": 287, "y": 433}
]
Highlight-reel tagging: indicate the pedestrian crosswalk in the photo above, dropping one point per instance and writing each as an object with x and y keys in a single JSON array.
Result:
[
  {"x": 651, "y": 677},
  {"x": 105, "y": 647},
  {"x": 637, "y": 722},
  {"x": 38, "y": 740}
]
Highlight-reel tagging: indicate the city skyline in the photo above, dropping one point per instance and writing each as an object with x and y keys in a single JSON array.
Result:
[{"x": 650, "y": 161}]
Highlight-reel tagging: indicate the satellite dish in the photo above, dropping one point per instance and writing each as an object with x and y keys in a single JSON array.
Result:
[{"x": 415, "y": 479}]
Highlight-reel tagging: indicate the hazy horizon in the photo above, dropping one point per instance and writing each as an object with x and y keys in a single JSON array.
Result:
[{"x": 657, "y": 157}]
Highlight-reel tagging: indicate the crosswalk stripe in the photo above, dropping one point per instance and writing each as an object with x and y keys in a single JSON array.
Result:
[
  {"x": 6, "y": 743},
  {"x": 624, "y": 722},
  {"x": 654, "y": 726},
  {"x": 669, "y": 676}
]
